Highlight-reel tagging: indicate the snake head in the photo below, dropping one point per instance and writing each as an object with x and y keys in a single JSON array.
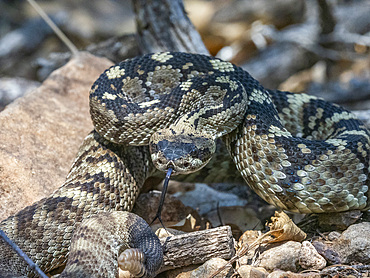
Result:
[{"x": 185, "y": 152}]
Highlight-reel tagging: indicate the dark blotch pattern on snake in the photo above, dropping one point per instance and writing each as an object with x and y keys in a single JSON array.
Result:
[{"x": 163, "y": 110}]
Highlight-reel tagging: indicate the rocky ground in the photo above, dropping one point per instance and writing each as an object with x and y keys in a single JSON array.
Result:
[{"x": 285, "y": 45}]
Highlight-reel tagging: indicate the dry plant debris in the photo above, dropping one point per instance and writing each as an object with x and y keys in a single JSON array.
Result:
[{"x": 282, "y": 228}]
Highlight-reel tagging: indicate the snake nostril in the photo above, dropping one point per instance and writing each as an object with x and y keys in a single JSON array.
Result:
[{"x": 161, "y": 161}]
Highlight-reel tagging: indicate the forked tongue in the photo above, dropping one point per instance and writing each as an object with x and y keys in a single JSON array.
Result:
[{"x": 163, "y": 195}]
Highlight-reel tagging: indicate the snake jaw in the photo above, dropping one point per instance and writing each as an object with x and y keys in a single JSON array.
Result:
[
  {"x": 184, "y": 153},
  {"x": 185, "y": 165}
]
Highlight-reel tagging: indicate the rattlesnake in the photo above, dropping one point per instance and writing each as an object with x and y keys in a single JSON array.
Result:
[{"x": 165, "y": 110}]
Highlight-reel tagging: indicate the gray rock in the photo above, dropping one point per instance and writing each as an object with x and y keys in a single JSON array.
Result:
[
  {"x": 211, "y": 266},
  {"x": 283, "y": 256},
  {"x": 309, "y": 258},
  {"x": 354, "y": 244},
  {"x": 325, "y": 249},
  {"x": 248, "y": 271},
  {"x": 288, "y": 274},
  {"x": 333, "y": 235},
  {"x": 206, "y": 199}
]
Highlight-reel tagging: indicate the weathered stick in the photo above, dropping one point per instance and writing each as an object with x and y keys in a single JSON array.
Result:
[
  {"x": 162, "y": 25},
  {"x": 197, "y": 247}
]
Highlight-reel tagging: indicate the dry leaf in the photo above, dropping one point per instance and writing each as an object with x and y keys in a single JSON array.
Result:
[
  {"x": 248, "y": 237},
  {"x": 282, "y": 228},
  {"x": 161, "y": 232},
  {"x": 187, "y": 224}
]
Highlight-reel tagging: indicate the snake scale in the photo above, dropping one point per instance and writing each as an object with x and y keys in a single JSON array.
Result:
[{"x": 165, "y": 110}]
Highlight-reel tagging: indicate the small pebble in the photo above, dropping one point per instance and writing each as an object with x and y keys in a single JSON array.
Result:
[
  {"x": 211, "y": 266},
  {"x": 283, "y": 256},
  {"x": 248, "y": 271},
  {"x": 309, "y": 258},
  {"x": 333, "y": 235}
]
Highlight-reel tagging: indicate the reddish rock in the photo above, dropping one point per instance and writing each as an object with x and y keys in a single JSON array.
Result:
[{"x": 41, "y": 132}]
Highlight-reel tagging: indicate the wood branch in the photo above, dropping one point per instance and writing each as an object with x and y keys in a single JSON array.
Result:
[
  {"x": 326, "y": 18},
  {"x": 197, "y": 247},
  {"x": 162, "y": 25}
]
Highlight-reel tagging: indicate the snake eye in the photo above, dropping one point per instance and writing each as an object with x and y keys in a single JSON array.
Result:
[
  {"x": 194, "y": 152},
  {"x": 186, "y": 164}
]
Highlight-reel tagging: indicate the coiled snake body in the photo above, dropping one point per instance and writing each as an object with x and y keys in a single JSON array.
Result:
[{"x": 296, "y": 151}]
